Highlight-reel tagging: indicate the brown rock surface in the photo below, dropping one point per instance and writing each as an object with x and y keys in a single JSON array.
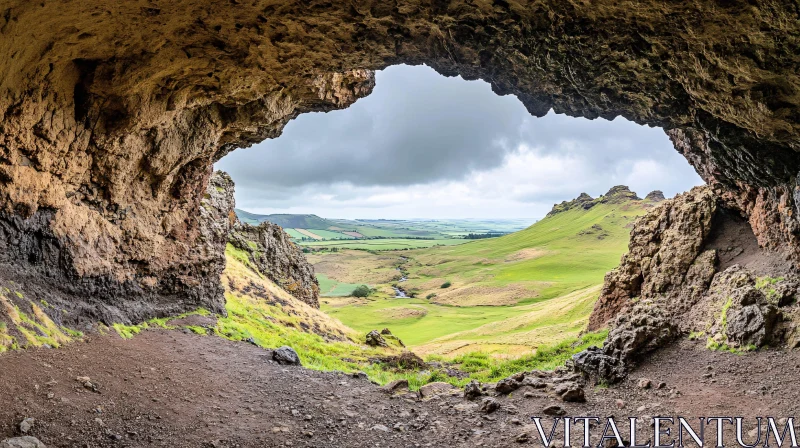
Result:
[
  {"x": 113, "y": 112},
  {"x": 272, "y": 253}
]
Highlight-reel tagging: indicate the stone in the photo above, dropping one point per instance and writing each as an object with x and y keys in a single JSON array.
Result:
[
  {"x": 506, "y": 386},
  {"x": 472, "y": 390},
  {"x": 286, "y": 356},
  {"x": 272, "y": 253},
  {"x": 553, "y": 410},
  {"x": 752, "y": 325},
  {"x": 523, "y": 437},
  {"x": 489, "y": 405},
  {"x": 655, "y": 196},
  {"x": 26, "y": 425},
  {"x": 534, "y": 382},
  {"x": 436, "y": 388},
  {"x": 644, "y": 383},
  {"x": 570, "y": 391},
  {"x": 374, "y": 339},
  {"x": 382, "y": 428},
  {"x": 619, "y": 403},
  {"x": 396, "y": 385},
  {"x": 22, "y": 442}
]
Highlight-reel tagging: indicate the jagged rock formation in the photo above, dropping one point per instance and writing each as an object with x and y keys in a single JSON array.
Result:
[
  {"x": 274, "y": 255},
  {"x": 616, "y": 195},
  {"x": 655, "y": 196},
  {"x": 268, "y": 249},
  {"x": 693, "y": 266},
  {"x": 113, "y": 112}
]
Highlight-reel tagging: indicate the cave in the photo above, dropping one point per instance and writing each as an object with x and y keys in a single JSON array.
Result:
[{"x": 112, "y": 114}]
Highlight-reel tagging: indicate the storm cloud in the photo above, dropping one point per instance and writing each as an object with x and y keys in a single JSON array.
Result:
[{"x": 423, "y": 145}]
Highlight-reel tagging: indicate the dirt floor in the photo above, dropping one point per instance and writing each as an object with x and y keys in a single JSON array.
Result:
[{"x": 167, "y": 388}]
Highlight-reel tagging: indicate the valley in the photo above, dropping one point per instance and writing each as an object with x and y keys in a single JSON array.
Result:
[
  {"x": 315, "y": 233},
  {"x": 501, "y": 296}
]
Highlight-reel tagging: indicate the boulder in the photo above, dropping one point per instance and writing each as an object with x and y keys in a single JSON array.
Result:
[
  {"x": 431, "y": 390},
  {"x": 752, "y": 325},
  {"x": 22, "y": 442},
  {"x": 489, "y": 405},
  {"x": 570, "y": 391},
  {"x": 534, "y": 382},
  {"x": 506, "y": 386},
  {"x": 286, "y": 356},
  {"x": 553, "y": 410},
  {"x": 472, "y": 390},
  {"x": 395, "y": 386},
  {"x": 374, "y": 339}
]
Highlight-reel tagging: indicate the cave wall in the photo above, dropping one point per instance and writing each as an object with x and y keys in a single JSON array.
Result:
[{"x": 112, "y": 113}]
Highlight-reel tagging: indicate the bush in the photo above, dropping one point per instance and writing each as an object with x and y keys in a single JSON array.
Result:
[
  {"x": 446, "y": 284},
  {"x": 430, "y": 296},
  {"x": 362, "y": 291}
]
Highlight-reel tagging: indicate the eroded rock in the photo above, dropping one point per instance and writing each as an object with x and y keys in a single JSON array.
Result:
[{"x": 107, "y": 148}]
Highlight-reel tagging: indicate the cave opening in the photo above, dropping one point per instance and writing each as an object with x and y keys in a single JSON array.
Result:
[
  {"x": 423, "y": 145},
  {"x": 429, "y": 169}
]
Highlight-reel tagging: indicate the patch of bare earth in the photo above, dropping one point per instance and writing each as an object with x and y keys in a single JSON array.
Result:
[{"x": 166, "y": 388}]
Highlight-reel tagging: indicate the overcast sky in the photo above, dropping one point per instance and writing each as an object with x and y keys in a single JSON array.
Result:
[{"x": 426, "y": 146}]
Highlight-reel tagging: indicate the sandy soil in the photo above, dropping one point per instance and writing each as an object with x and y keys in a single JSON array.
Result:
[{"x": 167, "y": 388}]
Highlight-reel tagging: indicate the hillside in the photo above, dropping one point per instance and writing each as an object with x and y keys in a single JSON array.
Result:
[
  {"x": 505, "y": 295},
  {"x": 286, "y": 220}
]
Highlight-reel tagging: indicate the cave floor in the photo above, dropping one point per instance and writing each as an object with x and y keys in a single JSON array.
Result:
[{"x": 167, "y": 388}]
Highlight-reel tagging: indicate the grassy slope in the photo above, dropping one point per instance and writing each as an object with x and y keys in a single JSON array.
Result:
[
  {"x": 384, "y": 244},
  {"x": 274, "y": 318},
  {"x": 542, "y": 281},
  {"x": 286, "y": 220}
]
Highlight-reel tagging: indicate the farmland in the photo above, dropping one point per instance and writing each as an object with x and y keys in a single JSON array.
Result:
[
  {"x": 504, "y": 296},
  {"x": 378, "y": 234}
]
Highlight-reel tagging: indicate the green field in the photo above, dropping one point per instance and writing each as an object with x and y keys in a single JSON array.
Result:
[
  {"x": 333, "y": 288},
  {"x": 508, "y": 295},
  {"x": 330, "y": 235},
  {"x": 382, "y": 244}
]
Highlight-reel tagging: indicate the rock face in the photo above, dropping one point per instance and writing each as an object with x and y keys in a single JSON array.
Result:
[
  {"x": 113, "y": 112},
  {"x": 693, "y": 266},
  {"x": 664, "y": 245},
  {"x": 655, "y": 196},
  {"x": 272, "y": 252}
]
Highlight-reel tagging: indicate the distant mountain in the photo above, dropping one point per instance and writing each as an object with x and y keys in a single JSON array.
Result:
[{"x": 287, "y": 221}]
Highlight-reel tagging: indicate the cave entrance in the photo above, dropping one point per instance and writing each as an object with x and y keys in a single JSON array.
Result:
[{"x": 432, "y": 198}]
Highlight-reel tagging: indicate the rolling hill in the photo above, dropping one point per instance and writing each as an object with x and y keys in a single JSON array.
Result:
[
  {"x": 286, "y": 220},
  {"x": 504, "y": 295}
]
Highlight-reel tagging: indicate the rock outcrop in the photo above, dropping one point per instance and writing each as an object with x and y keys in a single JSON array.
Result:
[
  {"x": 113, "y": 112},
  {"x": 274, "y": 255},
  {"x": 694, "y": 267},
  {"x": 616, "y": 195},
  {"x": 655, "y": 196}
]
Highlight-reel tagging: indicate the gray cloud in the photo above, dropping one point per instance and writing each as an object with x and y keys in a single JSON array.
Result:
[{"x": 420, "y": 135}]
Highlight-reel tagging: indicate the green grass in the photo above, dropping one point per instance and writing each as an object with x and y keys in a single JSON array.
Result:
[
  {"x": 383, "y": 244},
  {"x": 294, "y": 234},
  {"x": 332, "y": 288},
  {"x": 330, "y": 235},
  {"x": 508, "y": 295},
  {"x": 484, "y": 368}
]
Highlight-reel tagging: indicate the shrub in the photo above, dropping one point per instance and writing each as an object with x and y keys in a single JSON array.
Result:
[
  {"x": 361, "y": 291},
  {"x": 430, "y": 296},
  {"x": 446, "y": 284}
]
